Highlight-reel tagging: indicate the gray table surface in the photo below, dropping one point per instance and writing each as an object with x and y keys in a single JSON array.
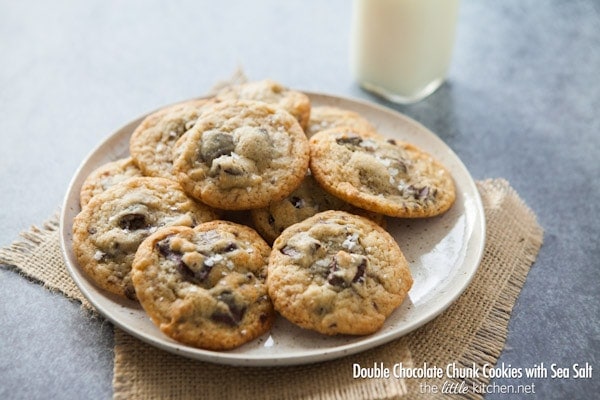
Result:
[{"x": 522, "y": 102}]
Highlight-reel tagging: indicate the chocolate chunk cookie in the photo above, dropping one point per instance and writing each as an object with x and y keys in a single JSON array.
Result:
[
  {"x": 271, "y": 92},
  {"x": 205, "y": 286},
  {"x": 151, "y": 143},
  {"x": 327, "y": 117},
  {"x": 107, "y": 175},
  {"x": 307, "y": 200},
  {"x": 109, "y": 229},
  {"x": 337, "y": 273},
  {"x": 384, "y": 176},
  {"x": 242, "y": 155}
]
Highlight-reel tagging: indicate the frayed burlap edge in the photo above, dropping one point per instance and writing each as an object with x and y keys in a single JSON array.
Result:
[
  {"x": 38, "y": 257},
  {"x": 144, "y": 372},
  {"x": 513, "y": 240}
]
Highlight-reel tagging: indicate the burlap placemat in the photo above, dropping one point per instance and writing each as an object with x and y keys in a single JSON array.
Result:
[{"x": 472, "y": 330}]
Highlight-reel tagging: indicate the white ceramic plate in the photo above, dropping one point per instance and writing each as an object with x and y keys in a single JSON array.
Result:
[{"x": 443, "y": 252}]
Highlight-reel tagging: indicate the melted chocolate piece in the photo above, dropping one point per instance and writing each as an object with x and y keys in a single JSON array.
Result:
[
  {"x": 186, "y": 272},
  {"x": 353, "y": 140},
  {"x": 233, "y": 171},
  {"x": 235, "y": 312},
  {"x": 214, "y": 145},
  {"x": 202, "y": 275},
  {"x": 290, "y": 251},
  {"x": 332, "y": 278},
  {"x": 230, "y": 247},
  {"x": 133, "y": 222},
  {"x": 360, "y": 271},
  {"x": 297, "y": 202}
]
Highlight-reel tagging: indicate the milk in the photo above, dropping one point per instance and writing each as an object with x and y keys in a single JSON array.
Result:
[{"x": 401, "y": 49}]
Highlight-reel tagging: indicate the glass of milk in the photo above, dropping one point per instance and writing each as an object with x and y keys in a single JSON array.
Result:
[{"x": 401, "y": 49}]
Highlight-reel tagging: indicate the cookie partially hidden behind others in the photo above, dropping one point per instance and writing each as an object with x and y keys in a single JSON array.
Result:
[
  {"x": 307, "y": 200},
  {"x": 327, "y": 117},
  {"x": 152, "y": 141},
  {"x": 109, "y": 229},
  {"x": 271, "y": 92},
  {"x": 106, "y": 176}
]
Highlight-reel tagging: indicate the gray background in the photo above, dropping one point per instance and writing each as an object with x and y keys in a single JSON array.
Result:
[{"x": 522, "y": 102}]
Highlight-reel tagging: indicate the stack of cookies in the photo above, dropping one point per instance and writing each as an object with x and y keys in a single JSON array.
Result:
[{"x": 309, "y": 189}]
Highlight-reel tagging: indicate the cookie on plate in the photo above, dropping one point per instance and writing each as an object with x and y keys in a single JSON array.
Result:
[
  {"x": 272, "y": 92},
  {"x": 307, "y": 200},
  {"x": 106, "y": 176},
  {"x": 327, "y": 117},
  {"x": 152, "y": 141},
  {"x": 205, "y": 286},
  {"x": 385, "y": 176},
  {"x": 337, "y": 273},
  {"x": 109, "y": 229},
  {"x": 241, "y": 155}
]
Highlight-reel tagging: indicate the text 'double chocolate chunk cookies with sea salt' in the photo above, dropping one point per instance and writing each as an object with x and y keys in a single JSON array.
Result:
[
  {"x": 109, "y": 229},
  {"x": 389, "y": 177},
  {"x": 205, "y": 287},
  {"x": 242, "y": 155},
  {"x": 337, "y": 273}
]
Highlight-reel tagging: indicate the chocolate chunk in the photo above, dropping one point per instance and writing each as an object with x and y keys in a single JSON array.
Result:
[
  {"x": 399, "y": 165},
  {"x": 360, "y": 272},
  {"x": 235, "y": 312},
  {"x": 290, "y": 251},
  {"x": 417, "y": 193},
  {"x": 133, "y": 222},
  {"x": 332, "y": 278},
  {"x": 215, "y": 144},
  {"x": 233, "y": 171},
  {"x": 297, "y": 202},
  {"x": 230, "y": 247},
  {"x": 202, "y": 275},
  {"x": 164, "y": 248},
  {"x": 263, "y": 318},
  {"x": 314, "y": 247},
  {"x": 353, "y": 140},
  {"x": 335, "y": 280},
  {"x": 186, "y": 272}
]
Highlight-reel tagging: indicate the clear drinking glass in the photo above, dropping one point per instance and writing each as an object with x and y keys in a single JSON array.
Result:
[{"x": 401, "y": 49}]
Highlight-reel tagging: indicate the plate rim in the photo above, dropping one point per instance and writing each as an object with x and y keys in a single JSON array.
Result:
[{"x": 309, "y": 356}]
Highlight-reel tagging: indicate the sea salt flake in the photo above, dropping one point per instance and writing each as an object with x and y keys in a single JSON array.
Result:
[{"x": 351, "y": 242}]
